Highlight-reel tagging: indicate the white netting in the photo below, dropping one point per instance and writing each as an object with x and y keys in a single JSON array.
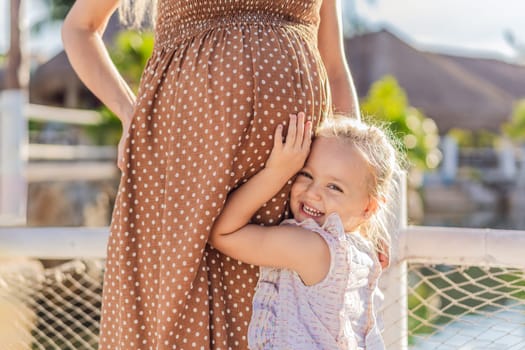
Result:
[
  {"x": 55, "y": 308},
  {"x": 464, "y": 308},
  {"x": 450, "y": 307}
]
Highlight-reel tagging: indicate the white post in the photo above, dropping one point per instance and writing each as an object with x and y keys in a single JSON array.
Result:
[
  {"x": 13, "y": 157},
  {"x": 449, "y": 165},
  {"x": 507, "y": 160},
  {"x": 520, "y": 179},
  {"x": 394, "y": 280}
]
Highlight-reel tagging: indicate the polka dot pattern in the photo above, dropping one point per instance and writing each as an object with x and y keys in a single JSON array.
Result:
[{"x": 222, "y": 75}]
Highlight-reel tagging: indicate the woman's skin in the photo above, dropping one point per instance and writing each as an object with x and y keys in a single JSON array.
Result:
[
  {"x": 331, "y": 46},
  {"x": 82, "y": 36}
]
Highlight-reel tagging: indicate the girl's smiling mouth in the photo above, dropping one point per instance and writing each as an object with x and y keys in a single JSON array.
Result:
[{"x": 312, "y": 212}]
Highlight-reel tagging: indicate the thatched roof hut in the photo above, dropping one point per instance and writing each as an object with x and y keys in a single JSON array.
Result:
[
  {"x": 56, "y": 83},
  {"x": 470, "y": 93}
]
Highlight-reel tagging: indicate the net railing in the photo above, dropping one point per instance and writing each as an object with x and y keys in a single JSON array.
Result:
[
  {"x": 465, "y": 307},
  {"x": 444, "y": 300},
  {"x": 449, "y": 307},
  {"x": 53, "y": 308}
]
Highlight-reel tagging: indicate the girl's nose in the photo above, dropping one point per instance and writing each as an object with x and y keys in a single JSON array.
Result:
[{"x": 313, "y": 191}]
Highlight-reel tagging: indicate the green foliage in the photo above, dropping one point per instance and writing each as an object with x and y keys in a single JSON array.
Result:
[
  {"x": 473, "y": 138},
  {"x": 419, "y": 310},
  {"x": 108, "y": 131},
  {"x": 35, "y": 126},
  {"x": 58, "y": 10},
  {"x": 418, "y": 134},
  {"x": 355, "y": 23},
  {"x": 515, "y": 128},
  {"x": 130, "y": 54}
]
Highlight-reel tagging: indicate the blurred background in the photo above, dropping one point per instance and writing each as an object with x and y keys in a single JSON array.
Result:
[{"x": 448, "y": 77}]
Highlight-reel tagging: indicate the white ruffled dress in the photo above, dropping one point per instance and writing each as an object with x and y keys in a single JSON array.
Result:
[{"x": 340, "y": 312}]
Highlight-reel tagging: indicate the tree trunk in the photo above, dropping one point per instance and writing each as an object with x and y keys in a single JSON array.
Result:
[{"x": 17, "y": 76}]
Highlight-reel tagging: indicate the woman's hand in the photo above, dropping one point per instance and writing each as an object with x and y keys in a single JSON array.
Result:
[
  {"x": 288, "y": 156},
  {"x": 126, "y": 120},
  {"x": 121, "y": 149}
]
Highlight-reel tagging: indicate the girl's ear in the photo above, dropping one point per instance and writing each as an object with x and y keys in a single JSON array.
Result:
[{"x": 373, "y": 204}]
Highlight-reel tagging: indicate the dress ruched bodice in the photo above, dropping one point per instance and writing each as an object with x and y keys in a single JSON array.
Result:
[
  {"x": 222, "y": 75},
  {"x": 178, "y": 20}
]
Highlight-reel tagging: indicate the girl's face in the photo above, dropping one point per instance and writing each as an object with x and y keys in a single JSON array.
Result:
[{"x": 335, "y": 179}]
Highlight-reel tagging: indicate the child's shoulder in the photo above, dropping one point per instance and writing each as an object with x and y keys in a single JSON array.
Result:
[
  {"x": 332, "y": 226},
  {"x": 332, "y": 230}
]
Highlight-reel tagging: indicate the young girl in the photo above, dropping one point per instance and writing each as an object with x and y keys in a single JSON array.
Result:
[{"x": 319, "y": 271}]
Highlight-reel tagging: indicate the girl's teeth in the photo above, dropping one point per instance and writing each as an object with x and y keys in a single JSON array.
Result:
[{"x": 311, "y": 211}]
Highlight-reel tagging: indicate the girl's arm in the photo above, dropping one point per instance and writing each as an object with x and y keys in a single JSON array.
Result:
[
  {"x": 82, "y": 37},
  {"x": 277, "y": 246},
  {"x": 331, "y": 47},
  {"x": 285, "y": 160}
]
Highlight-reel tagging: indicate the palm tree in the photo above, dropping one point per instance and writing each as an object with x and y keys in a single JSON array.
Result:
[
  {"x": 517, "y": 44},
  {"x": 57, "y": 11},
  {"x": 355, "y": 24},
  {"x": 17, "y": 71}
]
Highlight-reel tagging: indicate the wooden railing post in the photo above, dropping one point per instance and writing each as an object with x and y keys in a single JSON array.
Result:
[{"x": 394, "y": 282}]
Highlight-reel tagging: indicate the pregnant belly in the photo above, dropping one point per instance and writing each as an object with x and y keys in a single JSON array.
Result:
[
  {"x": 237, "y": 82},
  {"x": 269, "y": 70}
]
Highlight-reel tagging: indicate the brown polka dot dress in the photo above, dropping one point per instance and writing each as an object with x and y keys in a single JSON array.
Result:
[{"x": 223, "y": 74}]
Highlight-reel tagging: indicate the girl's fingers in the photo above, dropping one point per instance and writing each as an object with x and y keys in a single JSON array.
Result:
[
  {"x": 299, "y": 133},
  {"x": 307, "y": 140},
  {"x": 278, "y": 137},
  {"x": 292, "y": 130},
  {"x": 300, "y": 130}
]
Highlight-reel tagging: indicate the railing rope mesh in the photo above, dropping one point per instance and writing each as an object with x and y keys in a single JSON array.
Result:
[
  {"x": 61, "y": 306},
  {"x": 458, "y": 307},
  {"x": 450, "y": 307}
]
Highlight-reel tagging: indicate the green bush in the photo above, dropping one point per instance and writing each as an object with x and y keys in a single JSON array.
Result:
[
  {"x": 130, "y": 55},
  {"x": 418, "y": 134}
]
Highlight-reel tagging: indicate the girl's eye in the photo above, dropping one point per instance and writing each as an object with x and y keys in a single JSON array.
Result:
[
  {"x": 335, "y": 188},
  {"x": 305, "y": 174}
]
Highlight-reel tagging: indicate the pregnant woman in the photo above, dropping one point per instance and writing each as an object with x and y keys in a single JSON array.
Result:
[{"x": 222, "y": 75}]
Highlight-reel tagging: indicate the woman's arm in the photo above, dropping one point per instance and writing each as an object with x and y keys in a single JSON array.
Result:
[
  {"x": 331, "y": 47},
  {"x": 82, "y": 36},
  {"x": 276, "y": 246}
]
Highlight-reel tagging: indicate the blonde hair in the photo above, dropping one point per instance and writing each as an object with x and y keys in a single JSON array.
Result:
[
  {"x": 380, "y": 151},
  {"x": 138, "y": 13}
]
